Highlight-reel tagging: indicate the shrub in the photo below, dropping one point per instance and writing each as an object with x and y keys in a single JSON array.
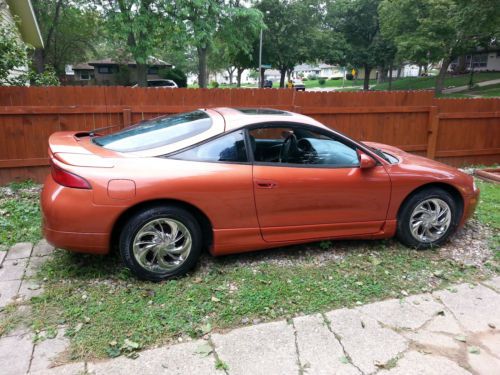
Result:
[
  {"x": 312, "y": 77},
  {"x": 321, "y": 81},
  {"x": 175, "y": 74},
  {"x": 349, "y": 77},
  {"x": 214, "y": 84},
  {"x": 304, "y": 79}
]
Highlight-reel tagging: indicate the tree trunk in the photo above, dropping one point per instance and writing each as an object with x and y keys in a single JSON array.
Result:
[
  {"x": 441, "y": 76},
  {"x": 282, "y": 77},
  {"x": 289, "y": 73},
  {"x": 262, "y": 71},
  {"x": 202, "y": 67},
  {"x": 39, "y": 60},
  {"x": 461, "y": 66},
  {"x": 142, "y": 75},
  {"x": 390, "y": 77},
  {"x": 380, "y": 74},
  {"x": 419, "y": 70},
  {"x": 230, "y": 71},
  {"x": 400, "y": 68},
  {"x": 239, "y": 72},
  {"x": 366, "y": 81}
]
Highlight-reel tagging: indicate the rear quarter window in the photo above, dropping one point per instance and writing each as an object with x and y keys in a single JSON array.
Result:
[{"x": 157, "y": 132}]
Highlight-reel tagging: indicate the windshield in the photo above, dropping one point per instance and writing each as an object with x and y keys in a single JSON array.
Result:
[{"x": 157, "y": 132}]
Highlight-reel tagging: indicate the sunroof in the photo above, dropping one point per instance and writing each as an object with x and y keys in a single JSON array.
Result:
[{"x": 262, "y": 111}]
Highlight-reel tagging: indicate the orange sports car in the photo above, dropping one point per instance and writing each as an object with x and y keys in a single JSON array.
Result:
[{"x": 234, "y": 180}]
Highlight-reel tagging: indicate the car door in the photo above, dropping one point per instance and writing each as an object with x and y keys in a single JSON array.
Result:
[{"x": 318, "y": 193}]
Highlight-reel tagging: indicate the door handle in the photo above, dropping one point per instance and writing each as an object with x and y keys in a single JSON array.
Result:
[{"x": 265, "y": 184}]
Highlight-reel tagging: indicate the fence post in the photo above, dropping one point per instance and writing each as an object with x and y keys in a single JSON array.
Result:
[
  {"x": 127, "y": 117},
  {"x": 432, "y": 132}
]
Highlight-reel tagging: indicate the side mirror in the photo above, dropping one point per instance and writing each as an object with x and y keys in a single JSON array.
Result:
[{"x": 365, "y": 161}]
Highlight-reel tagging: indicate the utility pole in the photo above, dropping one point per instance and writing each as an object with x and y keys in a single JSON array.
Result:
[{"x": 260, "y": 60}]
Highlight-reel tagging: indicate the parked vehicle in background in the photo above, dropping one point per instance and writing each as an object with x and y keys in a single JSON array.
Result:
[
  {"x": 235, "y": 180},
  {"x": 298, "y": 85},
  {"x": 163, "y": 83},
  {"x": 268, "y": 84}
]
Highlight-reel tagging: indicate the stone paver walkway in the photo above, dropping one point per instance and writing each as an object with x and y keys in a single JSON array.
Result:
[
  {"x": 452, "y": 90},
  {"x": 453, "y": 331}
]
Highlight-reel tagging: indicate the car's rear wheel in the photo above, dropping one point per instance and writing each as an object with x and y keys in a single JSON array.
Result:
[
  {"x": 160, "y": 243},
  {"x": 428, "y": 218}
]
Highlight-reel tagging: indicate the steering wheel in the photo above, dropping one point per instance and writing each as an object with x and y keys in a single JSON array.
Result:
[{"x": 289, "y": 145}]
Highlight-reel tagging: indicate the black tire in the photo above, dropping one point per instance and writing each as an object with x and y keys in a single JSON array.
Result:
[
  {"x": 139, "y": 220},
  {"x": 404, "y": 233}
]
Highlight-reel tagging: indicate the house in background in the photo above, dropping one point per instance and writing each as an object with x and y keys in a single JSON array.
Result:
[
  {"x": 487, "y": 61},
  {"x": 108, "y": 72},
  {"x": 26, "y": 26}
]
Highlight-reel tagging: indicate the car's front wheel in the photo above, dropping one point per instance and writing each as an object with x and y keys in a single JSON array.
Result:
[
  {"x": 160, "y": 243},
  {"x": 428, "y": 218}
]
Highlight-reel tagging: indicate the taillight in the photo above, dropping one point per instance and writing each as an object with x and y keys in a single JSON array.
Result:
[{"x": 68, "y": 179}]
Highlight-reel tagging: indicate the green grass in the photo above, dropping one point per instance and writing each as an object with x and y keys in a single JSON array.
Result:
[
  {"x": 484, "y": 92},
  {"x": 421, "y": 83},
  {"x": 488, "y": 211},
  {"x": 20, "y": 217}
]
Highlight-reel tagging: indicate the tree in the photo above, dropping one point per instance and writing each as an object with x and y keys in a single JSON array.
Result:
[
  {"x": 12, "y": 54},
  {"x": 140, "y": 25},
  {"x": 440, "y": 30},
  {"x": 235, "y": 42},
  {"x": 70, "y": 32},
  {"x": 202, "y": 20},
  {"x": 291, "y": 35},
  {"x": 358, "y": 23}
]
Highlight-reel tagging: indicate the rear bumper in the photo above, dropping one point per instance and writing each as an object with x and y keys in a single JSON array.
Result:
[
  {"x": 72, "y": 221},
  {"x": 91, "y": 243}
]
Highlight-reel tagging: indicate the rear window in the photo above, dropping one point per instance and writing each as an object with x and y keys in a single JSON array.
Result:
[{"x": 157, "y": 132}]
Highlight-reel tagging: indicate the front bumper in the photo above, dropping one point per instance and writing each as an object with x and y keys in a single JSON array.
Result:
[{"x": 470, "y": 204}]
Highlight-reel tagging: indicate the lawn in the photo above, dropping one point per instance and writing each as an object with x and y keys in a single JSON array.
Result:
[
  {"x": 103, "y": 305},
  {"x": 484, "y": 92}
]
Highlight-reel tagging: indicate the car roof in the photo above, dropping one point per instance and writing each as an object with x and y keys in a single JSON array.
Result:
[{"x": 235, "y": 118}]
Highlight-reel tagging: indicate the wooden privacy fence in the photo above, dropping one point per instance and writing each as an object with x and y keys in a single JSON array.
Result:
[{"x": 454, "y": 131}]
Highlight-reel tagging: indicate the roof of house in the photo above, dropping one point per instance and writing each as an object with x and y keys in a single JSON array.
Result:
[
  {"x": 28, "y": 26},
  {"x": 152, "y": 61},
  {"x": 83, "y": 66}
]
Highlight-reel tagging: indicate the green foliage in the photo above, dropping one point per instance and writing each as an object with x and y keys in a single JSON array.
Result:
[
  {"x": 70, "y": 29},
  {"x": 47, "y": 78},
  {"x": 435, "y": 30},
  {"x": 175, "y": 74},
  {"x": 20, "y": 216},
  {"x": 322, "y": 81},
  {"x": 13, "y": 54},
  {"x": 214, "y": 84},
  {"x": 292, "y": 32},
  {"x": 122, "y": 76}
]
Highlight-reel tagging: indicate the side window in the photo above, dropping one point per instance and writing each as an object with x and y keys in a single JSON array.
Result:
[
  {"x": 228, "y": 148},
  {"x": 299, "y": 145}
]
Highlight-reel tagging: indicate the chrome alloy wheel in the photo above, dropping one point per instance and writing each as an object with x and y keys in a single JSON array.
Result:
[
  {"x": 162, "y": 245},
  {"x": 430, "y": 220}
]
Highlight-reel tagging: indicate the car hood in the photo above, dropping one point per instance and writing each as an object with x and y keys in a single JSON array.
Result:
[
  {"x": 407, "y": 158},
  {"x": 427, "y": 169}
]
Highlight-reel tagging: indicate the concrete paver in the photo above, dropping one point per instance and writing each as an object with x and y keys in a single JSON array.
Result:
[
  {"x": 29, "y": 289},
  {"x": 46, "y": 351},
  {"x": 42, "y": 248},
  {"x": 3, "y": 254},
  {"x": 20, "y": 250},
  {"x": 366, "y": 342},
  {"x": 445, "y": 323},
  {"x": 15, "y": 354},
  {"x": 415, "y": 363},
  {"x": 267, "y": 348},
  {"x": 484, "y": 363},
  {"x": 34, "y": 265},
  {"x": 177, "y": 359},
  {"x": 493, "y": 283},
  {"x": 319, "y": 351},
  {"x": 409, "y": 313},
  {"x": 8, "y": 291},
  {"x": 71, "y": 369},
  {"x": 475, "y": 307},
  {"x": 12, "y": 269}
]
